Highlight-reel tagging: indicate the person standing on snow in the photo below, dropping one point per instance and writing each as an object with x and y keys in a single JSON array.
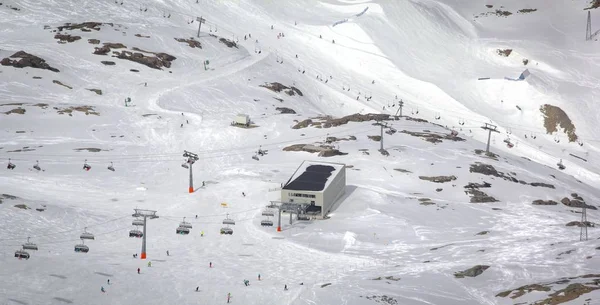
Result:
[
  {"x": 259, "y": 276},
  {"x": 108, "y": 281},
  {"x": 138, "y": 270},
  {"x": 285, "y": 287},
  {"x": 167, "y": 252},
  {"x": 102, "y": 289},
  {"x": 149, "y": 264},
  {"x": 197, "y": 287},
  {"x": 210, "y": 265},
  {"x": 228, "y": 296}
]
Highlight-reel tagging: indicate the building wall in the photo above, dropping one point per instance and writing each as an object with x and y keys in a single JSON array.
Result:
[
  {"x": 334, "y": 191},
  {"x": 318, "y": 199}
]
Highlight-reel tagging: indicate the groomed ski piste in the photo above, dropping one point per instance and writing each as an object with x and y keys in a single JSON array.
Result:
[{"x": 395, "y": 237}]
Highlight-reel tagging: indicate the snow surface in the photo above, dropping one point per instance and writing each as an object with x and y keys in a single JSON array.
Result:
[{"x": 428, "y": 53}]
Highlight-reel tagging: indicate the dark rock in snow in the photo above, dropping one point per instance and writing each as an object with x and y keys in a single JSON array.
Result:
[{"x": 27, "y": 60}]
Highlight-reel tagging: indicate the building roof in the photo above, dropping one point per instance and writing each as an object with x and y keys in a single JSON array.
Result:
[{"x": 313, "y": 176}]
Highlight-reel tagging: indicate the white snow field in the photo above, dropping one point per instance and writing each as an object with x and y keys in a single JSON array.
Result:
[{"x": 395, "y": 237}]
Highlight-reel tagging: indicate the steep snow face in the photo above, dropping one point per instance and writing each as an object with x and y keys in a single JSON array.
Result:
[{"x": 407, "y": 222}]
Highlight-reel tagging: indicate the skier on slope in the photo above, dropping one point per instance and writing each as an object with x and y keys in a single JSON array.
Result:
[
  {"x": 102, "y": 289},
  {"x": 149, "y": 264}
]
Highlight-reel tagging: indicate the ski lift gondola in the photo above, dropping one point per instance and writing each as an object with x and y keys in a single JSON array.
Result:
[
  {"x": 227, "y": 231},
  {"x": 185, "y": 224},
  {"x": 182, "y": 230},
  {"x": 560, "y": 165},
  {"x": 137, "y": 222},
  {"x": 29, "y": 245},
  {"x": 20, "y": 254},
  {"x": 136, "y": 233},
  {"x": 82, "y": 247},
  {"x": 111, "y": 167},
  {"x": 86, "y": 235},
  {"x": 228, "y": 221},
  {"x": 37, "y": 165},
  {"x": 10, "y": 165},
  {"x": 86, "y": 166}
]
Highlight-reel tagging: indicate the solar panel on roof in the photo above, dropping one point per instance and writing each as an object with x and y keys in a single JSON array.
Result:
[{"x": 313, "y": 178}]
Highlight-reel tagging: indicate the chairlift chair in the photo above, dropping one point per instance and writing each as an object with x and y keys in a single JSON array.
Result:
[
  {"x": 82, "y": 247},
  {"x": 182, "y": 230},
  {"x": 303, "y": 217},
  {"x": 86, "y": 166},
  {"x": 560, "y": 165},
  {"x": 185, "y": 164},
  {"x": 268, "y": 213},
  {"x": 255, "y": 157},
  {"x": 185, "y": 224},
  {"x": 10, "y": 165},
  {"x": 29, "y": 245},
  {"x": 227, "y": 231},
  {"x": 111, "y": 167},
  {"x": 438, "y": 116},
  {"x": 136, "y": 233},
  {"x": 20, "y": 254},
  {"x": 228, "y": 221},
  {"x": 137, "y": 222},
  {"x": 86, "y": 235},
  {"x": 510, "y": 145},
  {"x": 454, "y": 133},
  {"x": 37, "y": 166},
  {"x": 266, "y": 223}
]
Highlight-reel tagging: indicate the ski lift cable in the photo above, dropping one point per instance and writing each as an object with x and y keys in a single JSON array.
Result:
[
  {"x": 217, "y": 152},
  {"x": 213, "y": 215},
  {"x": 200, "y": 153},
  {"x": 67, "y": 231},
  {"x": 72, "y": 240}
]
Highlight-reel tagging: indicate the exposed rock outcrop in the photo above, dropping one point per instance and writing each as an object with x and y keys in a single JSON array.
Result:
[
  {"x": 471, "y": 272},
  {"x": 64, "y": 38},
  {"x": 285, "y": 110},
  {"x": 323, "y": 151},
  {"x": 438, "y": 179},
  {"x": 27, "y": 60},
  {"x": 191, "y": 42}
]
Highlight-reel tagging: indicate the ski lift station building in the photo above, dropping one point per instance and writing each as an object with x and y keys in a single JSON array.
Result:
[{"x": 317, "y": 184}]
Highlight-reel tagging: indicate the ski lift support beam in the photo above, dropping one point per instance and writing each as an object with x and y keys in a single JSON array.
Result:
[
  {"x": 144, "y": 214},
  {"x": 192, "y": 158},
  {"x": 490, "y": 128}
]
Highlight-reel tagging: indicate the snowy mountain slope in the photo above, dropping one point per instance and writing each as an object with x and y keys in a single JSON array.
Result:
[{"x": 380, "y": 229}]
